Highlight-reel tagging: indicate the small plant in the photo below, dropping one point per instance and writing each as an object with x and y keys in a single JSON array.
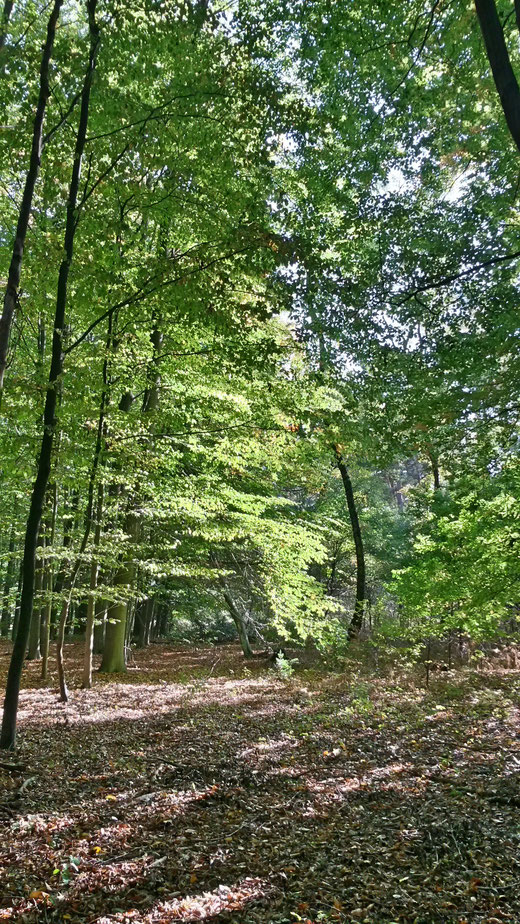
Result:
[{"x": 284, "y": 666}]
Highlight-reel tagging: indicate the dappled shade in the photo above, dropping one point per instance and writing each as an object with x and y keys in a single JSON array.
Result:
[{"x": 243, "y": 798}]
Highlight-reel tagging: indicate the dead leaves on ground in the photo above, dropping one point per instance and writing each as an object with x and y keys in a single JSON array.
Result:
[{"x": 242, "y": 799}]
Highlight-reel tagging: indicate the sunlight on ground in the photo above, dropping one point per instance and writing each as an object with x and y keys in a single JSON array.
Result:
[{"x": 140, "y": 800}]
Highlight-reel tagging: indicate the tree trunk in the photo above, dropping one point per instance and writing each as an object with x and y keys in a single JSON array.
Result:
[
  {"x": 99, "y": 627},
  {"x": 13, "y": 279},
  {"x": 500, "y": 62},
  {"x": 8, "y": 585},
  {"x": 6, "y": 15},
  {"x": 33, "y": 650},
  {"x": 357, "y": 618},
  {"x": 143, "y": 622},
  {"x": 17, "y": 601},
  {"x": 64, "y": 693},
  {"x": 8, "y": 733},
  {"x": 91, "y": 605},
  {"x": 434, "y": 462},
  {"x": 114, "y": 652},
  {"x": 240, "y": 624},
  {"x": 49, "y": 581}
]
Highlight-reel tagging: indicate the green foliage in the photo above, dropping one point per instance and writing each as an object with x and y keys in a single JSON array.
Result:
[{"x": 297, "y": 231}]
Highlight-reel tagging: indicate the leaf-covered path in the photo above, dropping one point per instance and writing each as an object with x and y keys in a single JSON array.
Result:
[{"x": 198, "y": 789}]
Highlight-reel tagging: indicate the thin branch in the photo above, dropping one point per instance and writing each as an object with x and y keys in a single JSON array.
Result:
[
  {"x": 140, "y": 294},
  {"x": 453, "y": 277},
  {"x": 52, "y": 131}
]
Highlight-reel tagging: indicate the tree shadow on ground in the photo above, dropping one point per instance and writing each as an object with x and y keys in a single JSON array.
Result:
[{"x": 246, "y": 799}]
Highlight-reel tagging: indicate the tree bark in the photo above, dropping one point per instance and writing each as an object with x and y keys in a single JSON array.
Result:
[
  {"x": 6, "y": 15},
  {"x": 359, "y": 607},
  {"x": 8, "y": 733},
  {"x": 15, "y": 268},
  {"x": 8, "y": 585},
  {"x": 46, "y": 618},
  {"x": 114, "y": 652},
  {"x": 114, "y": 656},
  {"x": 500, "y": 63},
  {"x": 17, "y": 601},
  {"x": 99, "y": 627},
  {"x": 239, "y": 621},
  {"x": 64, "y": 693},
  {"x": 33, "y": 650},
  {"x": 91, "y": 606}
]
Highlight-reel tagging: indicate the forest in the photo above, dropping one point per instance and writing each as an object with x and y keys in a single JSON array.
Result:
[{"x": 260, "y": 461}]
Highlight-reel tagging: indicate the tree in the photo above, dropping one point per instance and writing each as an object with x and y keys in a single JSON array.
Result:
[{"x": 7, "y": 736}]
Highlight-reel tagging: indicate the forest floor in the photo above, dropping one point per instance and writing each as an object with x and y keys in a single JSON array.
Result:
[{"x": 198, "y": 788}]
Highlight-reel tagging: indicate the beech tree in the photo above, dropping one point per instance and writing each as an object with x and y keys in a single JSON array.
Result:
[{"x": 261, "y": 351}]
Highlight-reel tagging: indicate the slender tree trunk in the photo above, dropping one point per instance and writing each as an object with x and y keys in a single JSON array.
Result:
[
  {"x": 162, "y": 619},
  {"x": 6, "y": 15},
  {"x": 235, "y": 613},
  {"x": 500, "y": 63},
  {"x": 13, "y": 279},
  {"x": 143, "y": 622},
  {"x": 99, "y": 627},
  {"x": 8, "y": 733},
  {"x": 49, "y": 580},
  {"x": 434, "y": 462},
  {"x": 91, "y": 606},
  {"x": 240, "y": 624},
  {"x": 33, "y": 650},
  {"x": 151, "y": 612},
  {"x": 71, "y": 580},
  {"x": 17, "y": 601},
  {"x": 140, "y": 622},
  {"x": 357, "y": 618},
  {"x": 8, "y": 585},
  {"x": 69, "y": 522},
  {"x": 60, "y": 640}
]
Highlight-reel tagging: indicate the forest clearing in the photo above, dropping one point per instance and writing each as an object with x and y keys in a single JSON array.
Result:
[
  {"x": 260, "y": 461},
  {"x": 198, "y": 788}
]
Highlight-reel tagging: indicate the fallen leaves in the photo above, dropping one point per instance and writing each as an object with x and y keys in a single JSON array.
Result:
[{"x": 312, "y": 811}]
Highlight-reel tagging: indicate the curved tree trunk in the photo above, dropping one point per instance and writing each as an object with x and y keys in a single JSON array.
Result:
[
  {"x": 13, "y": 279},
  {"x": 500, "y": 62},
  {"x": 359, "y": 607},
  {"x": 8, "y": 733}
]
